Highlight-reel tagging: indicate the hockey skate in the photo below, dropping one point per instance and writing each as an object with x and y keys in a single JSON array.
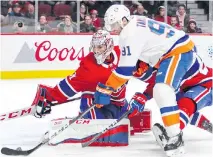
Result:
[
  {"x": 207, "y": 126},
  {"x": 160, "y": 134},
  {"x": 175, "y": 145}
]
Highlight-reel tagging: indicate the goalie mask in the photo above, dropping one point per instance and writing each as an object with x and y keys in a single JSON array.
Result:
[{"x": 101, "y": 45}]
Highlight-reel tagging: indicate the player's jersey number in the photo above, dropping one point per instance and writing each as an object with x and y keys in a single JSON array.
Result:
[
  {"x": 158, "y": 28},
  {"x": 126, "y": 51}
]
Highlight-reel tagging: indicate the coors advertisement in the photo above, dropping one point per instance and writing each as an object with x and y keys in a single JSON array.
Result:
[{"x": 47, "y": 51}]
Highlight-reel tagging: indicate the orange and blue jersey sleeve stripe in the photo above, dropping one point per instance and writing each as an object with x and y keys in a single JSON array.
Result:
[
  {"x": 183, "y": 45},
  {"x": 184, "y": 41},
  {"x": 119, "y": 77}
]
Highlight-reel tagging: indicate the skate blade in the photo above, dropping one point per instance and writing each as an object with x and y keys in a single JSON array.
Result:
[
  {"x": 157, "y": 132},
  {"x": 175, "y": 153}
]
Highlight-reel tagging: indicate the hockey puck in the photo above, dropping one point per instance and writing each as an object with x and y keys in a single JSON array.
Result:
[{"x": 19, "y": 149}]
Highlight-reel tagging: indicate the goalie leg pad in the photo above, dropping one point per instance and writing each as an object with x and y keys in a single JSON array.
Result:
[
  {"x": 117, "y": 136},
  {"x": 84, "y": 129}
]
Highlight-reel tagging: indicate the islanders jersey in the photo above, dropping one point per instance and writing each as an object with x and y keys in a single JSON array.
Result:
[
  {"x": 149, "y": 41},
  {"x": 89, "y": 74},
  {"x": 198, "y": 74}
]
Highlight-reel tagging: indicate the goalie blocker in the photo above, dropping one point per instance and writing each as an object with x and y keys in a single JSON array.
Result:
[{"x": 84, "y": 129}]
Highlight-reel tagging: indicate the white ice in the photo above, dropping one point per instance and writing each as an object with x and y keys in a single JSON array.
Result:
[{"x": 27, "y": 131}]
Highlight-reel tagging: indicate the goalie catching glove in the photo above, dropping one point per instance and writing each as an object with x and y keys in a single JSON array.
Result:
[
  {"x": 44, "y": 97},
  {"x": 137, "y": 104}
]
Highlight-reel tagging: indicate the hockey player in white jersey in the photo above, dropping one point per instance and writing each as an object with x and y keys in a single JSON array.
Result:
[{"x": 159, "y": 45}]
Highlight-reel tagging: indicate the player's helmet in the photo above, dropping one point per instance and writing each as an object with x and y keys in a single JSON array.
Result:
[
  {"x": 114, "y": 15},
  {"x": 100, "y": 38}
]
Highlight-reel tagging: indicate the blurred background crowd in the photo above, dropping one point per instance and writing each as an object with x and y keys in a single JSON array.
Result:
[{"x": 69, "y": 16}]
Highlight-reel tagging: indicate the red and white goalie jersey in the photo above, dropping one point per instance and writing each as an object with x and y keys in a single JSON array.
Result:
[{"x": 88, "y": 75}]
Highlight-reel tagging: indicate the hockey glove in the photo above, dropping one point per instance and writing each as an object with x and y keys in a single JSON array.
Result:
[
  {"x": 137, "y": 104},
  {"x": 102, "y": 95},
  {"x": 42, "y": 101}
]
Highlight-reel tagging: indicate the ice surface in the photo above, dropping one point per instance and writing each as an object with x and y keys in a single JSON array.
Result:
[{"x": 27, "y": 131}]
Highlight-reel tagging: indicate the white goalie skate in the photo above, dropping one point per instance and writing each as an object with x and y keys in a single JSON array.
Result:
[{"x": 173, "y": 146}]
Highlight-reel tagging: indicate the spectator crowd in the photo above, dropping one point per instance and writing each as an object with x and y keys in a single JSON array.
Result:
[{"x": 61, "y": 16}]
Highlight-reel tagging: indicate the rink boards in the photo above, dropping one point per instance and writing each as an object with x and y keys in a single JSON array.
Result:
[{"x": 56, "y": 56}]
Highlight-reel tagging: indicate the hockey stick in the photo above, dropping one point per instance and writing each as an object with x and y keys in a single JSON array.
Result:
[
  {"x": 105, "y": 130},
  {"x": 27, "y": 111},
  {"x": 19, "y": 151}
]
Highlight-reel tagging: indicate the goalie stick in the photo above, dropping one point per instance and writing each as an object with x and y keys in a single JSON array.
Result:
[
  {"x": 105, "y": 130},
  {"x": 19, "y": 151},
  {"x": 27, "y": 111}
]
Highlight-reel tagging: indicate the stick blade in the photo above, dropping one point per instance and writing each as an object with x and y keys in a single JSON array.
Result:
[{"x": 8, "y": 151}]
